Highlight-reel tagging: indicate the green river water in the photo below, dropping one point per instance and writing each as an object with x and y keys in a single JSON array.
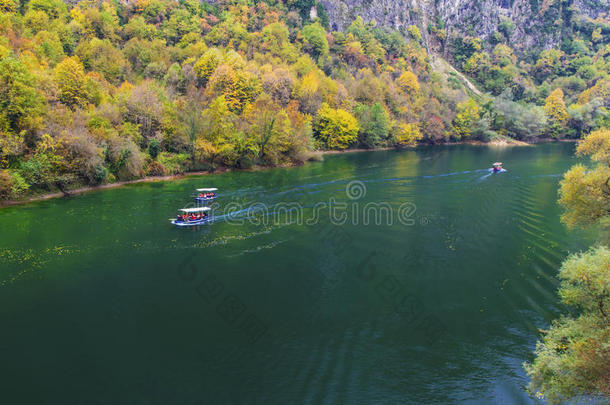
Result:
[{"x": 396, "y": 277}]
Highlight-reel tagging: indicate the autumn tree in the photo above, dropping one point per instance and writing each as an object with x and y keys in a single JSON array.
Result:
[
  {"x": 270, "y": 128},
  {"x": 12, "y": 185},
  {"x": 407, "y": 134},
  {"x": 572, "y": 359},
  {"x": 466, "y": 118},
  {"x": 308, "y": 94},
  {"x": 409, "y": 83},
  {"x": 70, "y": 78},
  {"x": 585, "y": 191},
  {"x": 142, "y": 106},
  {"x": 9, "y": 6},
  {"x": 414, "y": 33},
  {"x": 279, "y": 84},
  {"x": 12, "y": 146},
  {"x": 21, "y": 104},
  {"x": 102, "y": 56},
  {"x": 556, "y": 112},
  {"x": 335, "y": 128},
  {"x": 206, "y": 65},
  {"x": 219, "y": 130}
]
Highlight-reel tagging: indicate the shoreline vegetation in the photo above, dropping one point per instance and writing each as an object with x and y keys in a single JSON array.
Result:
[
  {"x": 572, "y": 360},
  {"x": 100, "y": 92},
  {"x": 314, "y": 156}
]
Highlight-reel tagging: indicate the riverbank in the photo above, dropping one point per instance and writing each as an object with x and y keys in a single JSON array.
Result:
[
  {"x": 148, "y": 179},
  {"x": 313, "y": 156}
]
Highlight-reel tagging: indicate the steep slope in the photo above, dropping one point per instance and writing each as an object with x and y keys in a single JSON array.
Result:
[{"x": 532, "y": 23}]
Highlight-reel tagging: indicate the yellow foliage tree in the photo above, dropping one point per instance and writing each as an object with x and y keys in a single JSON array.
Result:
[
  {"x": 409, "y": 83},
  {"x": 466, "y": 118},
  {"x": 408, "y": 134},
  {"x": 219, "y": 137},
  {"x": 555, "y": 107},
  {"x": 585, "y": 192},
  {"x": 238, "y": 87},
  {"x": 335, "y": 128},
  {"x": 556, "y": 111},
  {"x": 600, "y": 90},
  {"x": 9, "y": 6},
  {"x": 70, "y": 77},
  {"x": 206, "y": 65}
]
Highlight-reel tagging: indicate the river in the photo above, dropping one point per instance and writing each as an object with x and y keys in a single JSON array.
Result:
[{"x": 379, "y": 277}]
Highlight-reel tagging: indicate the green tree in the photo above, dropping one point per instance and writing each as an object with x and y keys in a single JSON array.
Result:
[
  {"x": 154, "y": 148},
  {"x": 302, "y": 6},
  {"x": 12, "y": 185},
  {"x": 506, "y": 27},
  {"x": 374, "y": 122},
  {"x": 314, "y": 37},
  {"x": 100, "y": 55},
  {"x": 335, "y": 128}
]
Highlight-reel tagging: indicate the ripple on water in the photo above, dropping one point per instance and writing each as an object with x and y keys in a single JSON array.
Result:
[{"x": 484, "y": 263}]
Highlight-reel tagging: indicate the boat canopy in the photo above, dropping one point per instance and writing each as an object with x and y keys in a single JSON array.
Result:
[
  {"x": 199, "y": 209},
  {"x": 498, "y": 164},
  {"x": 207, "y": 189}
]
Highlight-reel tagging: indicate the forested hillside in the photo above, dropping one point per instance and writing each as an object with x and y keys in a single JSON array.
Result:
[{"x": 102, "y": 91}]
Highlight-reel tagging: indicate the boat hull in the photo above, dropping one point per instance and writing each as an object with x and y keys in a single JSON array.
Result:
[
  {"x": 190, "y": 223},
  {"x": 201, "y": 199}
]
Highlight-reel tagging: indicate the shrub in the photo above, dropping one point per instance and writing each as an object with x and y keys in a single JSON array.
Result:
[
  {"x": 12, "y": 185},
  {"x": 174, "y": 163},
  {"x": 155, "y": 169},
  {"x": 154, "y": 147}
]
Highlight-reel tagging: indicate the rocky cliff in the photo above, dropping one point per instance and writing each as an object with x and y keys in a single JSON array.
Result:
[{"x": 527, "y": 23}]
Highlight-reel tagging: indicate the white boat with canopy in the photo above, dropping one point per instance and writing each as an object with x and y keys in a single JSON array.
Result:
[
  {"x": 205, "y": 194},
  {"x": 192, "y": 216},
  {"x": 497, "y": 168}
]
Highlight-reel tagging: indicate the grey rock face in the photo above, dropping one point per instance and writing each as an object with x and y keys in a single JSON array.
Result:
[{"x": 537, "y": 23}]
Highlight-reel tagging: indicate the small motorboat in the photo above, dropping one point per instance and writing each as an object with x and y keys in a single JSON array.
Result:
[
  {"x": 205, "y": 194},
  {"x": 497, "y": 168},
  {"x": 192, "y": 216}
]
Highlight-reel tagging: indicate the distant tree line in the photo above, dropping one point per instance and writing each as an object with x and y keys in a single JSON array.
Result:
[{"x": 103, "y": 91}]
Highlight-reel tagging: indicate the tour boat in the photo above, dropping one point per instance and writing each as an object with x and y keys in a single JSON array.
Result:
[
  {"x": 192, "y": 216},
  {"x": 205, "y": 194},
  {"x": 497, "y": 168}
]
